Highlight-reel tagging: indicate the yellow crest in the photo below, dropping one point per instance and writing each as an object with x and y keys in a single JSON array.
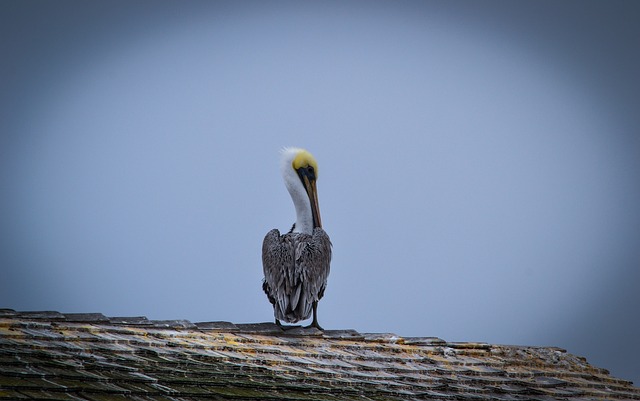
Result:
[{"x": 305, "y": 159}]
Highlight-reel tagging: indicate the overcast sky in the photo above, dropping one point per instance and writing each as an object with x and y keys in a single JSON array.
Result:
[{"x": 479, "y": 163}]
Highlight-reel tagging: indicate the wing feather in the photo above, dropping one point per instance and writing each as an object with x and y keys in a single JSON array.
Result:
[{"x": 296, "y": 268}]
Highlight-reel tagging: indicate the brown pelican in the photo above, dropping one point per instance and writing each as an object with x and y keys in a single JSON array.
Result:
[{"x": 296, "y": 264}]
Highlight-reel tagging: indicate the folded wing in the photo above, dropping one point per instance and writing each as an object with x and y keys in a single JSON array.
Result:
[{"x": 296, "y": 267}]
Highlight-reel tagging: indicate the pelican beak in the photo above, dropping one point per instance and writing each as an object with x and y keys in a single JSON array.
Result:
[
  {"x": 308, "y": 179},
  {"x": 310, "y": 185}
]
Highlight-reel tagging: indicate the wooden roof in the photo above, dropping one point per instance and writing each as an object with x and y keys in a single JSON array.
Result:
[{"x": 55, "y": 356}]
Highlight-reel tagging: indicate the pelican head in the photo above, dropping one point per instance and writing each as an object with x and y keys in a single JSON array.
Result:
[{"x": 300, "y": 172}]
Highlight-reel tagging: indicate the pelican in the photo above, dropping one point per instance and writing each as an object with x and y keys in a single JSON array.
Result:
[{"x": 296, "y": 264}]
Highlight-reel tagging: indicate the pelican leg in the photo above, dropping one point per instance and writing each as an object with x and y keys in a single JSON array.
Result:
[{"x": 315, "y": 317}]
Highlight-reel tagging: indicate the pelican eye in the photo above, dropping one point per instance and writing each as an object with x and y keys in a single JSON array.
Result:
[{"x": 310, "y": 172}]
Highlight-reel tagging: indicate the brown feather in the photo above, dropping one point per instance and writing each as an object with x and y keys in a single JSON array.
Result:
[{"x": 296, "y": 267}]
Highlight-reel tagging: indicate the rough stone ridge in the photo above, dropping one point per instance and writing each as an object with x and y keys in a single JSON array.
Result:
[{"x": 58, "y": 356}]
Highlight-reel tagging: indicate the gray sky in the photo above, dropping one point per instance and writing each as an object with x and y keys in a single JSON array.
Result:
[{"x": 479, "y": 163}]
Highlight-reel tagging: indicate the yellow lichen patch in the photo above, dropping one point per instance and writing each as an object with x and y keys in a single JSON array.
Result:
[
  {"x": 136, "y": 331},
  {"x": 263, "y": 340},
  {"x": 6, "y": 322},
  {"x": 232, "y": 340},
  {"x": 7, "y": 331}
]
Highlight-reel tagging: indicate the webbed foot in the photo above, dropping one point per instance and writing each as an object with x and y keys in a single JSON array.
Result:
[{"x": 314, "y": 324}]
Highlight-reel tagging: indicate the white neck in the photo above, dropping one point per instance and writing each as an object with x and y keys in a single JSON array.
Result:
[{"x": 304, "y": 217}]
